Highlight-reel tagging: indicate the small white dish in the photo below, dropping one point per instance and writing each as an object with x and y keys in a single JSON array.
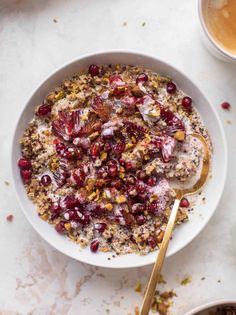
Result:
[
  {"x": 185, "y": 233},
  {"x": 211, "y": 306},
  {"x": 210, "y": 43}
]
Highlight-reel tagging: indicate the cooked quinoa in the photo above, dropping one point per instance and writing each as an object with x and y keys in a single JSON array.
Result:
[{"x": 100, "y": 154}]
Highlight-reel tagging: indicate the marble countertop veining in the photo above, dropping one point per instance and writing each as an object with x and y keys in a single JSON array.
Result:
[{"x": 38, "y": 36}]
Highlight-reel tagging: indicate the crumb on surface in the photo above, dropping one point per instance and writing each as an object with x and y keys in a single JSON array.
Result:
[
  {"x": 161, "y": 280},
  {"x": 9, "y": 217},
  {"x": 203, "y": 278},
  {"x": 138, "y": 287},
  {"x": 136, "y": 310},
  {"x": 6, "y": 183},
  {"x": 229, "y": 122},
  {"x": 55, "y": 20},
  {"x": 143, "y": 24},
  {"x": 124, "y": 23},
  {"x": 163, "y": 301},
  {"x": 186, "y": 280},
  {"x": 219, "y": 281}
]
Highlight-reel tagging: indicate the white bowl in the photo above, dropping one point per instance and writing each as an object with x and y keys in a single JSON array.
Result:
[
  {"x": 209, "y": 41},
  {"x": 183, "y": 234},
  {"x": 211, "y": 306}
]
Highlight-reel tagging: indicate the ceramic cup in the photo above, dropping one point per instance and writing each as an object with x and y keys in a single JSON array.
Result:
[{"x": 210, "y": 43}]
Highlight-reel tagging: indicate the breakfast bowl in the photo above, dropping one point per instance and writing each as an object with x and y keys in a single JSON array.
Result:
[
  {"x": 213, "y": 307},
  {"x": 206, "y": 203}
]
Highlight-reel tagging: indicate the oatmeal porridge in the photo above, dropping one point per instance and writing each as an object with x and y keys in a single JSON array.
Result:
[{"x": 99, "y": 157}]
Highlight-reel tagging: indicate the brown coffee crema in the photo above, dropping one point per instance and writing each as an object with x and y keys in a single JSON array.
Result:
[{"x": 220, "y": 17}]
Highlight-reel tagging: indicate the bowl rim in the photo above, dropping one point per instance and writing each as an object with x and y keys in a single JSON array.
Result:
[
  {"x": 206, "y": 306},
  {"x": 142, "y": 55},
  {"x": 218, "y": 47}
]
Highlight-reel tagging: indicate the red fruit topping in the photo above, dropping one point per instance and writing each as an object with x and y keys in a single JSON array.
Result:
[
  {"x": 71, "y": 215},
  {"x": 95, "y": 149},
  {"x": 102, "y": 172},
  {"x": 171, "y": 88},
  {"x": 141, "y": 219},
  {"x": 119, "y": 148},
  {"x": 112, "y": 170},
  {"x": 187, "y": 103},
  {"x": 94, "y": 246},
  {"x": 129, "y": 101},
  {"x": 55, "y": 208},
  {"x": 60, "y": 227},
  {"x": 140, "y": 186},
  {"x": 107, "y": 147},
  {"x": 10, "y": 217},
  {"x": 24, "y": 164},
  {"x": 83, "y": 143},
  {"x": 67, "y": 125},
  {"x": 98, "y": 211},
  {"x": 152, "y": 242},
  {"x": 226, "y": 105},
  {"x": 60, "y": 177},
  {"x": 173, "y": 122},
  {"x": 184, "y": 203},
  {"x": 118, "y": 85},
  {"x": 141, "y": 78},
  {"x": 60, "y": 148},
  {"x": 167, "y": 148},
  {"x": 84, "y": 219},
  {"x": 101, "y": 108},
  {"x": 116, "y": 80},
  {"x": 79, "y": 177},
  {"x": 129, "y": 166},
  {"x": 116, "y": 183},
  {"x": 26, "y": 176},
  {"x": 93, "y": 70},
  {"x": 151, "y": 181},
  {"x": 141, "y": 174},
  {"x": 100, "y": 227},
  {"x": 137, "y": 208},
  {"x": 129, "y": 218},
  {"x": 44, "y": 110},
  {"x": 69, "y": 203},
  {"x": 45, "y": 180},
  {"x": 132, "y": 191}
]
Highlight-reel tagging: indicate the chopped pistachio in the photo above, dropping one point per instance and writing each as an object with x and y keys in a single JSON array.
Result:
[
  {"x": 153, "y": 198},
  {"x": 103, "y": 156},
  {"x": 67, "y": 226},
  {"x": 92, "y": 196},
  {"x": 149, "y": 169},
  {"x": 59, "y": 95},
  {"x": 138, "y": 287},
  {"x": 129, "y": 146},
  {"x": 186, "y": 280},
  {"x": 121, "y": 175},
  {"x": 179, "y": 135}
]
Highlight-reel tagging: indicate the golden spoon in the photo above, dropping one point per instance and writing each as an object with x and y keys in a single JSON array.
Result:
[{"x": 180, "y": 193}]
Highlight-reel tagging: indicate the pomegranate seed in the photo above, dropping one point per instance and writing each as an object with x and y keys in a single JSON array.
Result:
[
  {"x": 119, "y": 148},
  {"x": 98, "y": 211},
  {"x": 55, "y": 208},
  {"x": 130, "y": 179},
  {"x": 137, "y": 208},
  {"x": 112, "y": 170},
  {"x": 93, "y": 70},
  {"x": 84, "y": 219},
  {"x": 131, "y": 191},
  {"x": 184, "y": 203},
  {"x": 94, "y": 246},
  {"x": 140, "y": 186},
  {"x": 187, "y": 103},
  {"x": 129, "y": 218},
  {"x": 95, "y": 149},
  {"x": 141, "y": 78},
  {"x": 152, "y": 181},
  {"x": 129, "y": 165},
  {"x": 26, "y": 176},
  {"x": 107, "y": 147},
  {"x": 71, "y": 215},
  {"x": 152, "y": 242},
  {"x": 116, "y": 183},
  {"x": 60, "y": 148},
  {"x": 60, "y": 227},
  {"x": 102, "y": 173},
  {"x": 141, "y": 174},
  {"x": 44, "y": 110},
  {"x": 122, "y": 162},
  {"x": 226, "y": 105},
  {"x": 171, "y": 88},
  {"x": 152, "y": 207},
  {"x": 45, "y": 180},
  {"x": 79, "y": 177},
  {"x": 10, "y": 217},
  {"x": 24, "y": 164},
  {"x": 100, "y": 227},
  {"x": 141, "y": 219},
  {"x": 70, "y": 202}
]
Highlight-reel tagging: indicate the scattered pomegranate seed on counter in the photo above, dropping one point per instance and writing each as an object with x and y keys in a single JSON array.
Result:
[
  {"x": 226, "y": 105},
  {"x": 184, "y": 203},
  {"x": 10, "y": 217}
]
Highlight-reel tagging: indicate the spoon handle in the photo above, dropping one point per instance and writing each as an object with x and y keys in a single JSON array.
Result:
[{"x": 147, "y": 301}]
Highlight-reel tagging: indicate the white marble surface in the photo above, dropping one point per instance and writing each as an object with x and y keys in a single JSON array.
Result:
[{"x": 36, "y": 279}]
